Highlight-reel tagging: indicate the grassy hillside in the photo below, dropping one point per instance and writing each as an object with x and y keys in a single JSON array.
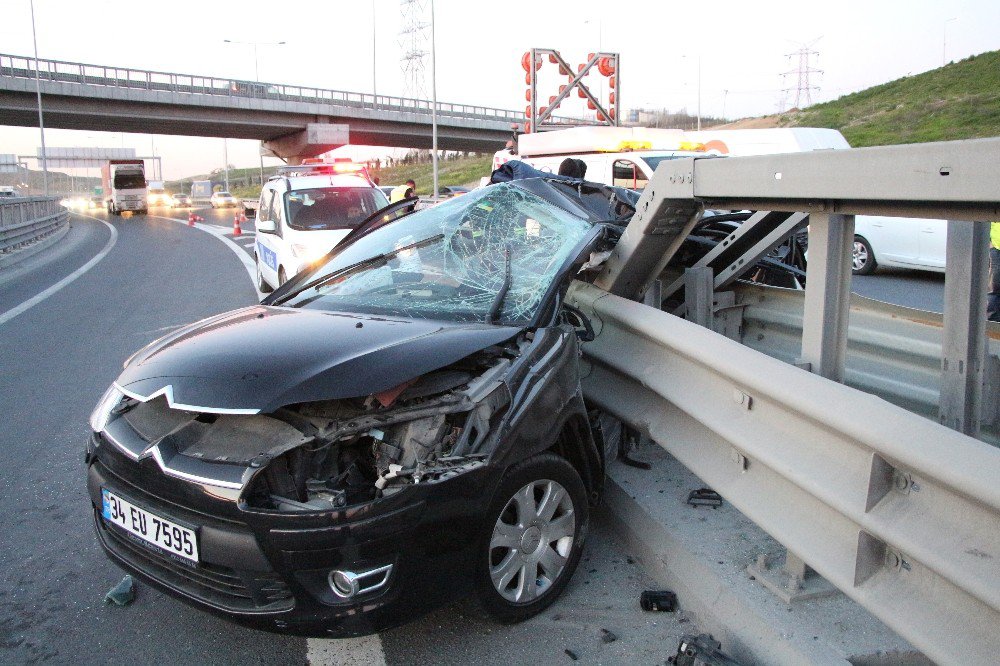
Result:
[
  {"x": 958, "y": 101},
  {"x": 460, "y": 171}
]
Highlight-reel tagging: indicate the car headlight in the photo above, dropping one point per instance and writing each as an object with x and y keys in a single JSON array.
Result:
[{"x": 102, "y": 413}]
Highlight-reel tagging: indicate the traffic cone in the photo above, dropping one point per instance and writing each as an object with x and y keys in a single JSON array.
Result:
[
  {"x": 236, "y": 226},
  {"x": 243, "y": 218},
  {"x": 191, "y": 219}
]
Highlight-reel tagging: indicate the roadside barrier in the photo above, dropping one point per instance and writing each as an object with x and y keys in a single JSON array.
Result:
[{"x": 29, "y": 221}]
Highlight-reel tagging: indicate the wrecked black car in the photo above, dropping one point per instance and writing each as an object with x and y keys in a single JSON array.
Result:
[{"x": 399, "y": 427}]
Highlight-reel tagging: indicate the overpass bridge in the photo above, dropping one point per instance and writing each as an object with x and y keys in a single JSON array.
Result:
[{"x": 291, "y": 121}]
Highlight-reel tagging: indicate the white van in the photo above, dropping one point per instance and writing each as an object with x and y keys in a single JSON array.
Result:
[
  {"x": 628, "y": 156},
  {"x": 624, "y": 156},
  {"x": 304, "y": 212}
]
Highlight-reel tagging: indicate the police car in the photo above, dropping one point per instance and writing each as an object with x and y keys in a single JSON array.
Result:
[{"x": 304, "y": 211}]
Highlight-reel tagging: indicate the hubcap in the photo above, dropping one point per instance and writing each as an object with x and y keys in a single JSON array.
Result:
[
  {"x": 859, "y": 255},
  {"x": 532, "y": 540}
]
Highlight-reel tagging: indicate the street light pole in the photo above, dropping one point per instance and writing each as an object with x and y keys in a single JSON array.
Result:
[
  {"x": 434, "y": 104},
  {"x": 254, "y": 44},
  {"x": 38, "y": 94},
  {"x": 699, "y": 92}
]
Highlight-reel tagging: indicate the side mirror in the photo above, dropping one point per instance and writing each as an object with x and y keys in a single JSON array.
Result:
[
  {"x": 579, "y": 321},
  {"x": 267, "y": 227}
]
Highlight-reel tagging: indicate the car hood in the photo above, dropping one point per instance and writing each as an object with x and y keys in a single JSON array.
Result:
[{"x": 260, "y": 358}]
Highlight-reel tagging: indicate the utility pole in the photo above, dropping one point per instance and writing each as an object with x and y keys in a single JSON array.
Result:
[
  {"x": 225, "y": 160},
  {"x": 38, "y": 94},
  {"x": 434, "y": 104},
  {"x": 944, "y": 41}
]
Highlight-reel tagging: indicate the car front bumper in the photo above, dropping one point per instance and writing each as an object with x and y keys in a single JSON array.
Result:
[{"x": 270, "y": 571}]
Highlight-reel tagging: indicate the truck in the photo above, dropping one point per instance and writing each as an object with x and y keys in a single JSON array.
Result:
[
  {"x": 201, "y": 190},
  {"x": 628, "y": 156},
  {"x": 124, "y": 185},
  {"x": 157, "y": 195}
]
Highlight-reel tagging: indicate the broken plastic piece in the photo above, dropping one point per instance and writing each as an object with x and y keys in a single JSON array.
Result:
[
  {"x": 608, "y": 636},
  {"x": 704, "y": 497},
  {"x": 701, "y": 650},
  {"x": 121, "y": 594},
  {"x": 658, "y": 600}
]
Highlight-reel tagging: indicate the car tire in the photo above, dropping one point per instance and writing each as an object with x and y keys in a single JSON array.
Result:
[
  {"x": 862, "y": 257},
  {"x": 262, "y": 285},
  {"x": 282, "y": 277},
  {"x": 527, "y": 553}
]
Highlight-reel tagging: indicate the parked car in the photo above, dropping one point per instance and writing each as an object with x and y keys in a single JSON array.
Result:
[
  {"x": 223, "y": 200},
  {"x": 898, "y": 242},
  {"x": 400, "y": 426},
  {"x": 452, "y": 191},
  {"x": 181, "y": 200},
  {"x": 304, "y": 214}
]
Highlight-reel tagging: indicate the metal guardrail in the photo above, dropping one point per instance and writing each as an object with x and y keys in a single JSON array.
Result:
[
  {"x": 893, "y": 352},
  {"x": 122, "y": 77},
  {"x": 897, "y": 510},
  {"x": 27, "y": 220}
]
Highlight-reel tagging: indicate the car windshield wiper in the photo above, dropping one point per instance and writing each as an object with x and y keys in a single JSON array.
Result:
[
  {"x": 497, "y": 304},
  {"x": 365, "y": 264}
]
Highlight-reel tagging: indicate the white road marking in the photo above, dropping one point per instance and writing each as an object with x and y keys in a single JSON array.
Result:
[
  {"x": 38, "y": 298},
  {"x": 365, "y": 651},
  {"x": 221, "y": 234}
]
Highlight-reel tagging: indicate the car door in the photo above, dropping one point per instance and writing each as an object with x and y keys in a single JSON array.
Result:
[
  {"x": 933, "y": 243},
  {"x": 894, "y": 240},
  {"x": 267, "y": 247}
]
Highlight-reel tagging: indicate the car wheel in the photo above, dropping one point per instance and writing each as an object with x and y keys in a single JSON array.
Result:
[
  {"x": 532, "y": 538},
  {"x": 262, "y": 285},
  {"x": 282, "y": 277},
  {"x": 862, "y": 258}
]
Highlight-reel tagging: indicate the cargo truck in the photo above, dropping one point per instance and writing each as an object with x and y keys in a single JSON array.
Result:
[
  {"x": 201, "y": 191},
  {"x": 124, "y": 183}
]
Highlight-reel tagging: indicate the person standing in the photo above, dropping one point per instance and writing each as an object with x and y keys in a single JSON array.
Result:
[{"x": 993, "y": 303}]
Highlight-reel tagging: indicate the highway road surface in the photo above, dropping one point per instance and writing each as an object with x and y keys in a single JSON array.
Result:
[{"x": 69, "y": 317}]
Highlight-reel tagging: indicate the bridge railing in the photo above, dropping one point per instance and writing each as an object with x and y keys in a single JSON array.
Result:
[
  {"x": 25, "y": 221},
  {"x": 121, "y": 77}
]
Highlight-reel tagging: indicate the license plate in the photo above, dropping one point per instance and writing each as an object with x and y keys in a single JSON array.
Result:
[{"x": 163, "y": 534}]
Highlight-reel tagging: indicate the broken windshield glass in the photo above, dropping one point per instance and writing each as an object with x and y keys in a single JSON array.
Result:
[{"x": 450, "y": 262}]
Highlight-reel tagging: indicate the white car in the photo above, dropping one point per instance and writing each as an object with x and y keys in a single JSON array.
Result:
[
  {"x": 223, "y": 200},
  {"x": 899, "y": 242},
  {"x": 304, "y": 214}
]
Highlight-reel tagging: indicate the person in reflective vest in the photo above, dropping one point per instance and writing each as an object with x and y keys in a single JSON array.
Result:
[
  {"x": 993, "y": 303},
  {"x": 401, "y": 192}
]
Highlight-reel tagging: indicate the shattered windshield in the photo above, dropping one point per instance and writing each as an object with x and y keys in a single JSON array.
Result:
[{"x": 489, "y": 255}]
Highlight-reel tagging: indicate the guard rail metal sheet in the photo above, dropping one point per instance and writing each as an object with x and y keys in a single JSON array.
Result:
[{"x": 899, "y": 512}]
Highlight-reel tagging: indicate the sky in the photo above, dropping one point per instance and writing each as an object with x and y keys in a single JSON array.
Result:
[{"x": 739, "y": 48}]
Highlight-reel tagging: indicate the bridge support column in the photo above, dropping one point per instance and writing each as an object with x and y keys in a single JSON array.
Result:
[{"x": 315, "y": 139}]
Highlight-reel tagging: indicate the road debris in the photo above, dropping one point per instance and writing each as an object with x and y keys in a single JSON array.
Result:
[
  {"x": 705, "y": 497},
  {"x": 121, "y": 594},
  {"x": 658, "y": 600}
]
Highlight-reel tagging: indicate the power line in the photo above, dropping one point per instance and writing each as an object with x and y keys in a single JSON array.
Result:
[
  {"x": 803, "y": 88},
  {"x": 413, "y": 41}
]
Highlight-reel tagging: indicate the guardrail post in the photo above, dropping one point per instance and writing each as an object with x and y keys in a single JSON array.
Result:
[
  {"x": 828, "y": 291},
  {"x": 699, "y": 289},
  {"x": 963, "y": 346}
]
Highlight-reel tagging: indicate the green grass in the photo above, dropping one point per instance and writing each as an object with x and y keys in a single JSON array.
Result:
[
  {"x": 460, "y": 171},
  {"x": 450, "y": 172},
  {"x": 958, "y": 101}
]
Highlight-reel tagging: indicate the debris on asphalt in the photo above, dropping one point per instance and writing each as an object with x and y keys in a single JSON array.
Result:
[
  {"x": 705, "y": 497},
  {"x": 608, "y": 636},
  {"x": 658, "y": 600},
  {"x": 701, "y": 650},
  {"x": 121, "y": 594},
  {"x": 572, "y": 655}
]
